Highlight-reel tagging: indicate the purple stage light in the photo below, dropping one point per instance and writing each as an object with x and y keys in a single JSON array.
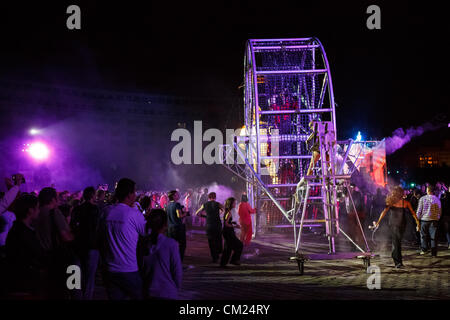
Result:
[{"x": 38, "y": 151}]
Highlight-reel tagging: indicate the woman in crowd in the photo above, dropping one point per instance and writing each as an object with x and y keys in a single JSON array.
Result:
[
  {"x": 162, "y": 268},
  {"x": 232, "y": 243},
  {"x": 397, "y": 206},
  {"x": 145, "y": 205},
  {"x": 245, "y": 220},
  {"x": 25, "y": 258}
]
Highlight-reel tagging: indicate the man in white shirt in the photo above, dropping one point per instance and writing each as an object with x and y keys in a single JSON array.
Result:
[
  {"x": 429, "y": 212},
  {"x": 120, "y": 231}
]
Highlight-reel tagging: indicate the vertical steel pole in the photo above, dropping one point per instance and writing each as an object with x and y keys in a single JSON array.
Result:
[
  {"x": 313, "y": 105},
  {"x": 248, "y": 118},
  {"x": 330, "y": 84},
  {"x": 257, "y": 115}
]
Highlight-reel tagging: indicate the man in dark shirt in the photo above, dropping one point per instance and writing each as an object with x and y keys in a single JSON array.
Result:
[
  {"x": 84, "y": 223},
  {"x": 25, "y": 259},
  {"x": 56, "y": 238},
  {"x": 177, "y": 228},
  {"x": 213, "y": 225}
]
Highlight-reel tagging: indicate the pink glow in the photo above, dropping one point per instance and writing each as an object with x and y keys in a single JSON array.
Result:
[{"x": 38, "y": 151}]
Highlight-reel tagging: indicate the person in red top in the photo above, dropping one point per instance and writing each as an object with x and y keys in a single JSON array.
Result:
[
  {"x": 163, "y": 201},
  {"x": 245, "y": 220}
]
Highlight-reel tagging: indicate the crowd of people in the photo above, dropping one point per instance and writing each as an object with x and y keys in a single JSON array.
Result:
[
  {"x": 415, "y": 214},
  {"x": 134, "y": 240}
]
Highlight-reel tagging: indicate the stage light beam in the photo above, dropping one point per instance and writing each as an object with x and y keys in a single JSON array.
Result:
[{"x": 38, "y": 151}]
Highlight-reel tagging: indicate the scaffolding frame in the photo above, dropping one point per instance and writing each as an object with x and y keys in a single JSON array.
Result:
[{"x": 290, "y": 71}]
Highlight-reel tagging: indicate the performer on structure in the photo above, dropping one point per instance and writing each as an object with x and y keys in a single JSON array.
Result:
[
  {"x": 313, "y": 145},
  {"x": 396, "y": 205},
  {"x": 245, "y": 210}
]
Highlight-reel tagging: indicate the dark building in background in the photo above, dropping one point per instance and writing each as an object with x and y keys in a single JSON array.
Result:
[
  {"x": 434, "y": 156},
  {"x": 110, "y": 132},
  {"x": 424, "y": 159}
]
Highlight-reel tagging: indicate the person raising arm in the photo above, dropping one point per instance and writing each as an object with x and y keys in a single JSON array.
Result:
[{"x": 395, "y": 206}]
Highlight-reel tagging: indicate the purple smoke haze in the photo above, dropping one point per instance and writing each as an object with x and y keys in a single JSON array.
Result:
[
  {"x": 221, "y": 191},
  {"x": 401, "y": 137}
]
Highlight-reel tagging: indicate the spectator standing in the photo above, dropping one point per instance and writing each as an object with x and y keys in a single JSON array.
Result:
[
  {"x": 154, "y": 202},
  {"x": 212, "y": 209},
  {"x": 188, "y": 200},
  {"x": 164, "y": 201},
  {"x": 56, "y": 238},
  {"x": 232, "y": 243},
  {"x": 11, "y": 194},
  {"x": 100, "y": 199},
  {"x": 201, "y": 200},
  {"x": 429, "y": 213},
  {"x": 120, "y": 230},
  {"x": 177, "y": 228},
  {"x": 162, "y": 266},
  {"x": 203, "y": 197},
  {"x": 25, "y": 258},
  {"x": 187, "y": 203},
  {"x": 145, "y": 205},
  {"x": 6, "y": 222},
  {"x": 85, "y": 224},
  {"x": 245, "y": 220},
  {"x": 445, "y": 217},
  {"x": 66, "y": 210}
]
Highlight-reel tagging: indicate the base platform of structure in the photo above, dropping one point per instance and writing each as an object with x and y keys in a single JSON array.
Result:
[{"x": 302, "y": 258}]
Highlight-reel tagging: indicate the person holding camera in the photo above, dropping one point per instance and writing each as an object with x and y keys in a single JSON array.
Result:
[
  {"x": 7, "y": 217},
  {"x": 13, "y": 190},
  {"x": 177, "y": 228}
]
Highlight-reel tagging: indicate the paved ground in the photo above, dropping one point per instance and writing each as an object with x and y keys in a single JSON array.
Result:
[{"x": 271, "y": 275}]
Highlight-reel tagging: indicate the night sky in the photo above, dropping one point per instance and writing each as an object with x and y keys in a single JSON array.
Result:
[{"x": 383, "y": 79}]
